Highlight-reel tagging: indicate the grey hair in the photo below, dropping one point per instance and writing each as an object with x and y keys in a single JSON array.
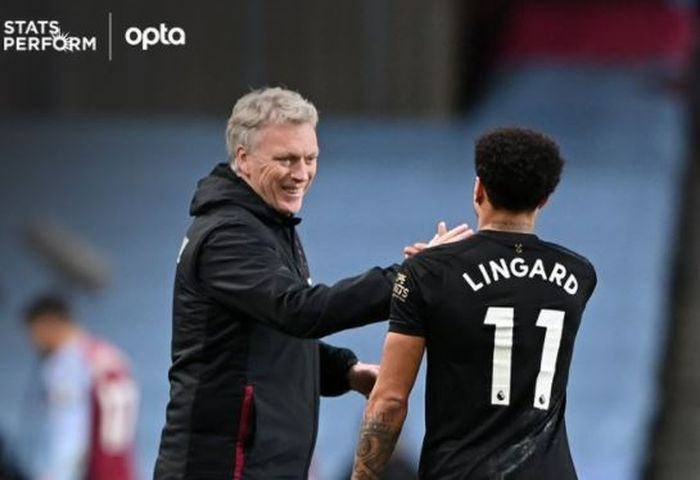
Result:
[{"x": 262, "y": 107}]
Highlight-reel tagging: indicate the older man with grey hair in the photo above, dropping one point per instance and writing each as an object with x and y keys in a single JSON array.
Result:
[{"x": 247, "y": 367}]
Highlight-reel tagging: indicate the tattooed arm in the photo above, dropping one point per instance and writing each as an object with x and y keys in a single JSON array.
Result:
[
  {"x": 378, "y": 436},
  {"x": 388, "y": 405}
]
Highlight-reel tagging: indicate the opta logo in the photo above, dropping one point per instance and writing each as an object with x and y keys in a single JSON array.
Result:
[{"x": 150, "y": 36}]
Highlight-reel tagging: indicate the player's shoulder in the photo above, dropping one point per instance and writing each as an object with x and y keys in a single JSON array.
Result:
[
  {"x": 431, "y": 264},
  {"x": 105, "y": 357},
  {"x": 443, "y": 255},
  {"x": 567, "y": 252}
]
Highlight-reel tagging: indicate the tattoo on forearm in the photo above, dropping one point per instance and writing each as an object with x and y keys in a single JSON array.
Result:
[{"x": 378, "y": 436}]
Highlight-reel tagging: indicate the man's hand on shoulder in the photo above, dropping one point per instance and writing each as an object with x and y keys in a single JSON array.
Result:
[
  {"x": 362, "y": 376},
  {"x": 442, "y": 236}
]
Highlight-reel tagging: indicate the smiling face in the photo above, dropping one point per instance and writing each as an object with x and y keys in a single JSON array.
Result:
[{"x": 281, "y": 164}]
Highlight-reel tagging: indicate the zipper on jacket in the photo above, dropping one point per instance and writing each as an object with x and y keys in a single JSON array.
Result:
[{"x": 298, "y": 257}]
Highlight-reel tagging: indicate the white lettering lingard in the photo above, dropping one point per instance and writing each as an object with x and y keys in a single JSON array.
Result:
[{"x": 500, "y": 269}]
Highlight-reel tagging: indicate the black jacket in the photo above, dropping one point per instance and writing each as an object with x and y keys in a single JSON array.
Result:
[{"x": 247, "y": 369}]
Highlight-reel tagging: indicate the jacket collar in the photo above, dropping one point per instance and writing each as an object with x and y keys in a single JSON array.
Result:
[{"x": 224, "y": 188}]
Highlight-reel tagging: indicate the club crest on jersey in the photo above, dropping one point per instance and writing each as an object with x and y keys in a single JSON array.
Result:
[
  {"x": 496, "y": 270},
  {"x": 400, "y": 291}
]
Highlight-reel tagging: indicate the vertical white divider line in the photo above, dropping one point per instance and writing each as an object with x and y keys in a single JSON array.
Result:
[{"x": 110, "y": 36}]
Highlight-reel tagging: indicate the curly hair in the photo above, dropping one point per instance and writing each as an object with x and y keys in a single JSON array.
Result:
[{"x": 518, "y": 167}]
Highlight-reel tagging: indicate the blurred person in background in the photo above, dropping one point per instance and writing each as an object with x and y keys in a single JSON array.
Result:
[
  {"x": 247, "y": 368},
  {"x": 498, "y": 315},
  {"x": 85, "y": 404}
]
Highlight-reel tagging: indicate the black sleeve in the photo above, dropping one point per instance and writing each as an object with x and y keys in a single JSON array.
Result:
[
  {"x": 594, "y": 281},
  {"x": 335, "y": 363},
  {"x": 243, "y": 271},
  {"x": 407, "y": 303}
]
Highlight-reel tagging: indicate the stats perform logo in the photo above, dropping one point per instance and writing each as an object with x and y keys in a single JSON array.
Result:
[{"x": 42, "y": 36}]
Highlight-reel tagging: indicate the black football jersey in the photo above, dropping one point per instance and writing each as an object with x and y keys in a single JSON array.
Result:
[{"x": 499, "y": 313}]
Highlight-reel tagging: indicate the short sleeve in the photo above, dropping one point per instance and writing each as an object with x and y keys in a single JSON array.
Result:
[{"x": 407, "y": 304}]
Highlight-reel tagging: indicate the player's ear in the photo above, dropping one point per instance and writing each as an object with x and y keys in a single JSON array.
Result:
[
  {"x": 242, "y": 161},
  {"x": 479, "y": 192}
]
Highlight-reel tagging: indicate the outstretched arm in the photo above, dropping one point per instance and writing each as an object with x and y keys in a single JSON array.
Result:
[
  {"x": 239, "y": 267},
  {"x": 388, "y": 405}
]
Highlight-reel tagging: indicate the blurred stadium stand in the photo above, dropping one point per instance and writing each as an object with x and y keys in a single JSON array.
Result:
[
  {"x": 81, "y": 144},
  {"x": 380, "y": 57}
]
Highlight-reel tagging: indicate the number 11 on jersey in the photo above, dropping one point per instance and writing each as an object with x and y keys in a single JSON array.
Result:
[{"x": 502, "y": 319}]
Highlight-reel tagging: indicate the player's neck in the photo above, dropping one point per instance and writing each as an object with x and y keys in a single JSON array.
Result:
[{"x": 507, "y": 221}]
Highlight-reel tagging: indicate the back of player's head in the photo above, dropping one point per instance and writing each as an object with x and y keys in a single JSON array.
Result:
[
  {"x": 48, "y": 306},
  {"x": 518, "y": 167}
]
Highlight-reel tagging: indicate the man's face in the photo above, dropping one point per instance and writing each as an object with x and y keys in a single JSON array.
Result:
[
  {"x": 281, "y": 164},
  {"x": 42, "y": 333}
]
